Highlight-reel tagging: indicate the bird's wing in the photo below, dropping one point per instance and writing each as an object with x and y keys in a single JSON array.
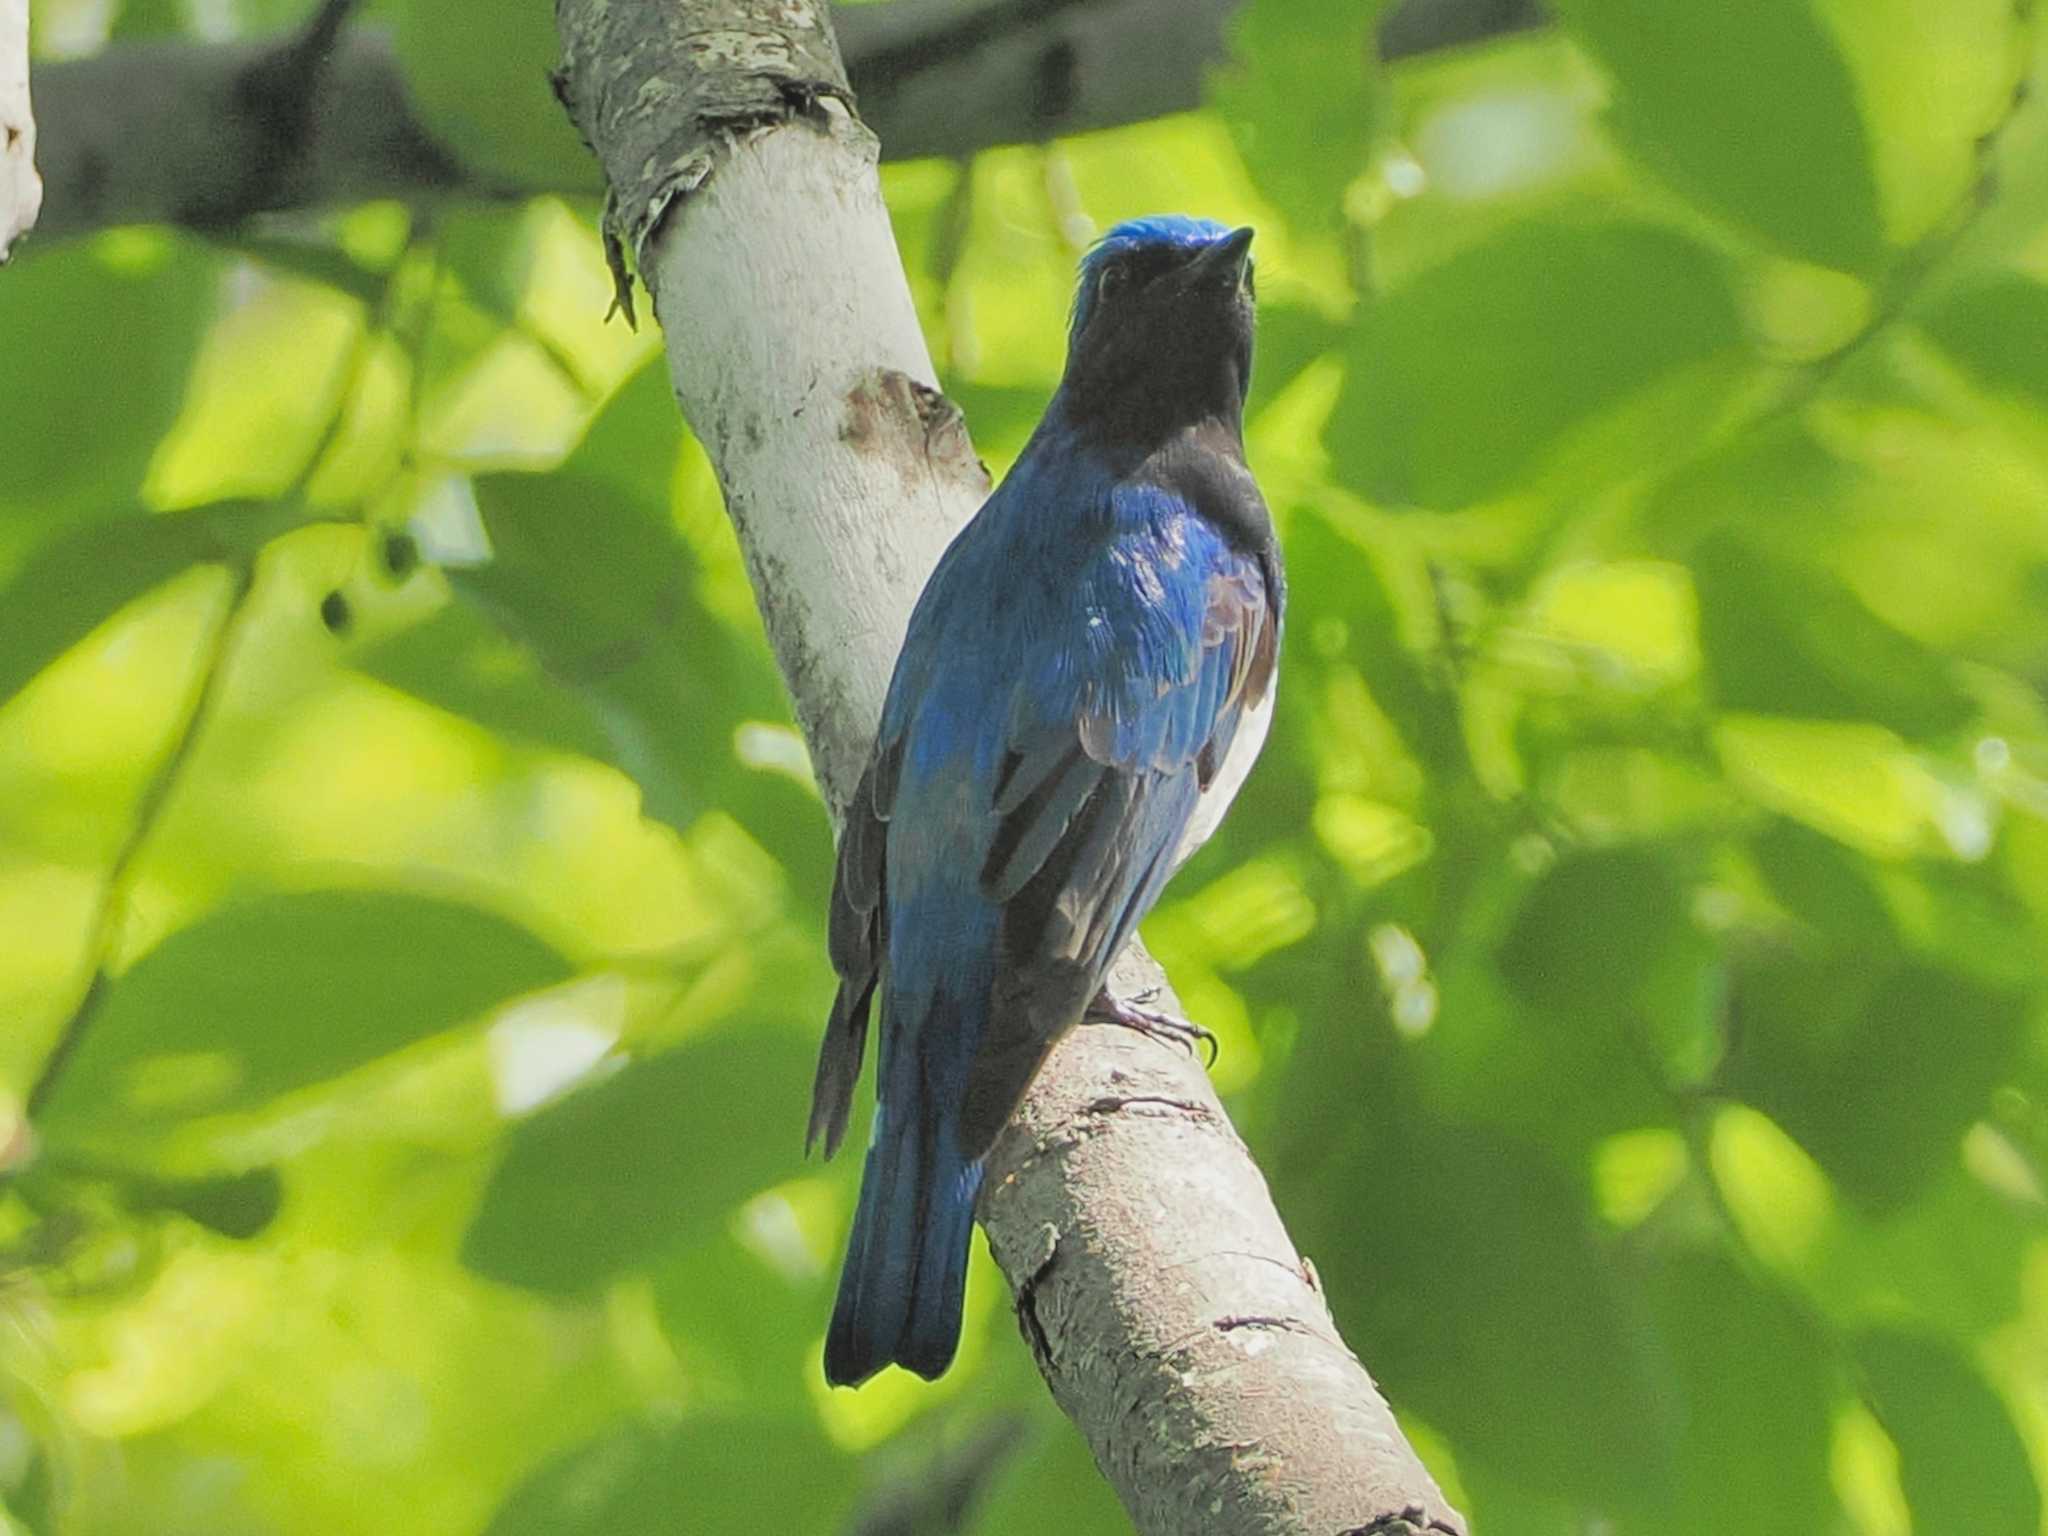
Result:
[
  {"x": 1112, "y": 739},
  {"x": 857, "y": 921},
  {"x": 1110, "y": 732},
  {"x": 855, "y": 940}
]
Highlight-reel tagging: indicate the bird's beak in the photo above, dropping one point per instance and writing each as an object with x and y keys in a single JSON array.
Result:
[{"x": 1223, "y": 263}]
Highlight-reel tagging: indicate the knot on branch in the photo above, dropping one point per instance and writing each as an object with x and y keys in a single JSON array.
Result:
[
  {"x": 901, "y": 418},
  {"x": 1413, "y": 1520}
]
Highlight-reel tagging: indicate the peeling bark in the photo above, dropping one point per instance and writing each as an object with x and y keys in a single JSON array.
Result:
[
  {"x": 1152, "y": 1278},
  {"x": 21, "y": 189}
]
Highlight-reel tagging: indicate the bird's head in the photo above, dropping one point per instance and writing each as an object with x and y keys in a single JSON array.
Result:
[{"x": 1162, "y": 329}]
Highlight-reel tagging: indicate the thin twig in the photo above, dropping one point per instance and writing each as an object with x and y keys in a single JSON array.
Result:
[
  {"x": 156, "y": 794},
  {"x": 149, "y": 808}
]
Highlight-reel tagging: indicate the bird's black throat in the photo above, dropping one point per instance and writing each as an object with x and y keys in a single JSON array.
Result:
[{"x": 1164, "y": 351}]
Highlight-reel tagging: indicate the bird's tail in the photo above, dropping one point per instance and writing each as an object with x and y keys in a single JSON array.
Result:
[{"x": 906, "y": 1263}]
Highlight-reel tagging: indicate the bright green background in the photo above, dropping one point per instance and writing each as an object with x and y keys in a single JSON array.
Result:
[{"x": 1631, "y": 959}]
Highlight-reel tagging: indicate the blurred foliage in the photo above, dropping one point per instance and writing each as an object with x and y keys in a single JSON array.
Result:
[{"x": 1631, "y": 958}]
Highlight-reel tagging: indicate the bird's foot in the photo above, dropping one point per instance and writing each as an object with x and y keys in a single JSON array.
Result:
[{"x": 1107, "y": 1009}]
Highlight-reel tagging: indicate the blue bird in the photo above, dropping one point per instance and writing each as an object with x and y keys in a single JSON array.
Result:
[{"x": 1083, "y": 686}]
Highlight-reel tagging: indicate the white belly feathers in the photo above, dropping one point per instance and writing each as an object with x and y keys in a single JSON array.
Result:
[{"x": 1230, "y": 777}]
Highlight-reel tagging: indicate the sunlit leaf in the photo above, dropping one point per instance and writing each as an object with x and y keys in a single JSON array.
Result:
[
  {"x": 1932, "y": 81},
  {"x": 70, "y": 586},
  {"x": 464, "y": 663},
  {"x": 282, "y": 992}
]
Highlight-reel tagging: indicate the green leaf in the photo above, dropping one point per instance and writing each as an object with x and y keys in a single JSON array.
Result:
[
  {"x": 1465, "y": 380},
  {"x": 70, "y": 586},
  {"x": 1604, "y": 949},
  {"x": 708, "y": 1472},
  {"x": 1962, "y": 1463},
  {"x": 282, "y": 992},
  {"x": 1957, "y": 1253},
  {"x": 1825, "y": 886},
  {"x": 740, "y": 1326},
  {"x": 1747, "y": 107},
  {"x": 1466, "y": 1264},
  {"x": 1493, "y": 1059},
  {"x": 1781, "y": 636},
  {"x": 589, "y": 573},
  {"x": 615, "y": 1173},
  {"x": 316, "y": 261},
  {"x": 1291, "y": 337},
  {"x": 1997, "y": 328},
  {"x": 460, "y": 661},
  {"x": 1054, "y": 1486},
  {"x": 1756, "y": 1374},
  {"x": 235, "y": 1205},
  {"x": 1877, "y": 1069},
  {"x": 478, "y": 75},
  {"x": 1591, "y": 930},
  {"x": 100, "y": 335},
  {"x": 1381, "y": 594},
  {"x": 937, "y": 1489},
  {"x": 34, "y": 1500},
  {"x": 138, "y": 19},
  {"x": 1301, "y": 101},
  {"x": 606, "y": 600}
]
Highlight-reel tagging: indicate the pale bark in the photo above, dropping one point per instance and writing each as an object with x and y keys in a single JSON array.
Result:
[
  {"x": 21, "y": 189},
  {"x": 183, "y": 133},
  {"x": 1165, "y": 1306}
]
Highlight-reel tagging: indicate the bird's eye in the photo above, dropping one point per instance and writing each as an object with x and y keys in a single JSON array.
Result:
[{"x": 1111, "y": 282}]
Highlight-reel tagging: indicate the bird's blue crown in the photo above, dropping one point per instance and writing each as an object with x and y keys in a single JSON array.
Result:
[
  {"x": 1153, "y": 232},
  {"x": 1156, "y": 230}
]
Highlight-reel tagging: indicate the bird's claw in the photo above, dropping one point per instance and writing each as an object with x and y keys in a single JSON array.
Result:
[{"x": 1108, "y": 1009}]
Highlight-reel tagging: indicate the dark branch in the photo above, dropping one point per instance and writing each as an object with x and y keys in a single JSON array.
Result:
[
  {"x": 1427, "y": 26},
  {"x": 323, "y": 119}
]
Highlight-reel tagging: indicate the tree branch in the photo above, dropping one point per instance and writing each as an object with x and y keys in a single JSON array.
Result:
[
  {"x": 21, "y": 190},
  {"x": 224, "y": 137},
  {"x": 933, "y": 77},
  {"x": 1166, "y": 1307},
  {"x": 1429, "y": 26}
]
